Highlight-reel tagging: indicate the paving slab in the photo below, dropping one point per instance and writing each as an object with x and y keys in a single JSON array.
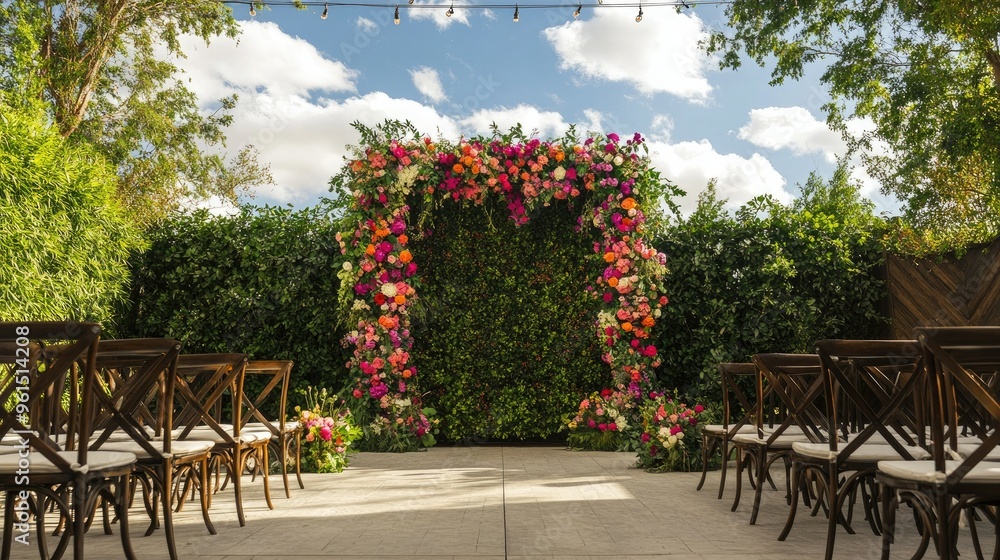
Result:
[{"x": 492, "y": 503}]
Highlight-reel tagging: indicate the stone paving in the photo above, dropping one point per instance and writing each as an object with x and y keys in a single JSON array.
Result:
[{"x": 494, "y": 503}]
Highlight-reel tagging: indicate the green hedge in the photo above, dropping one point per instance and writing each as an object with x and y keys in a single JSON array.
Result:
[
  {"x": 505, "y": 346},
  {"x": 64, "y": 238},
  {"x": 769, "y": 279},
  {"x": 263, "y": 282}
]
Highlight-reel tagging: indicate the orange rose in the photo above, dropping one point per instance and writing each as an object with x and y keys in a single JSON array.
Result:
[
  {"x": 648, "y": 322},
  {"x": 407, "y": 373},
  {"x": 612, "y": 281},
  {"x": 357, "y": 165},
  {"x": 627, "y": 327},
  {"x": 609, "y": 257},
  {"x": 405, "y": 256},
  {"x": 370, "y": 250},
  {"x": 458, "y": 168},
  {"x": 403, "y": 239},
  {"x": 400, "y": 299},
  {"x": 628, "y": 203}
]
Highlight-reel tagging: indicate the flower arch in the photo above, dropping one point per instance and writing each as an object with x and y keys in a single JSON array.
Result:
[{"x": 607, "y": 178}]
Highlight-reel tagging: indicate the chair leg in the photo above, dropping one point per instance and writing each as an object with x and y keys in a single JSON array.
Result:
[
  {"x": 236, "y": 470},
  {"x": 121, "y": 511},
  {"x": 739, "y": 478},
  {"x": 206, "y": 496},
  {"x": 797, "y": 480},
  {"x": 889, "y": 505},
  {"x": 835, "y": 506},
  {"x": 265, "y": 467},
  {"x": 725, "y": 465},
  {"x": 8, "y": 523},
  {"x": 79, "y": 512},
  {"x": 704, "y": 460},
  {"x": 762, "y": 468},
  {"x": 298, "y": 458},
  {"x": 168, "y": 510},
  {"x": 283, "y": 458}
]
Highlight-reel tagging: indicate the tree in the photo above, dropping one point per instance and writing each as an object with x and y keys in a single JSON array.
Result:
[
  {"x": 64, "y": 238},
  {"x": 99, "y": 67},
  {"x": 926, "y": 72}
]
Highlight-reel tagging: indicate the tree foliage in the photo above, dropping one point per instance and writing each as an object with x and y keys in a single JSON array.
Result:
[
  {"x": 927, "y": 73},
  {"x": 104, "y": 68},
  {"x": 64, "y": 239}
]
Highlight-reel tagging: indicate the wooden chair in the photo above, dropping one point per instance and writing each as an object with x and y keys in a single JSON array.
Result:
[
  {"x": 718, "y": 437},
  {"x": 203, "y": 380},
  {"x": 281, "y": 432},
  {"x": 796, "y": 382},
  {"x": 960, "y": 364},
  {"x": 135, "y": 414},
  {"x": 869, "y": 405},
  {"x": 53, "y": 428}
]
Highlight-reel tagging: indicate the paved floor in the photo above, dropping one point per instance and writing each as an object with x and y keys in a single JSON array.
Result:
[{"x": 493, "y": 503}]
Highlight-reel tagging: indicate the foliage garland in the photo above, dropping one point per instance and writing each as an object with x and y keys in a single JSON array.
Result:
[{"x": 380, "y": 280}]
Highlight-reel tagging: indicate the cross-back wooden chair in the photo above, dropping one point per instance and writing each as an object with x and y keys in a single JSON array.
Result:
[
  {"x": 960, "y": 364},
  {"x": 868, "y": 387},
  {"x": 796, "y": 383},
  {"x": 276, "y": 376},
  {"x": 135, "y": 414},
  {"x": 203, "y": 383},
  {"x": 737, "y": 417},
  {"x": 53, "y": 464}
]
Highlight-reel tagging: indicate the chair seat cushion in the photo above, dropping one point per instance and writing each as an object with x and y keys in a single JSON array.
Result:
[
  {"x": 178, "y": 448},
  {"x": 923, "y": 471},
  {"x": 290, "y": 426},
  {"x": 96, "y": 460},
  {"x": 717, "y": 429},
  {"x": 783, "y": 441},
  {"x": 209, "y": 434},
  {"x": 870, "y": 452}
]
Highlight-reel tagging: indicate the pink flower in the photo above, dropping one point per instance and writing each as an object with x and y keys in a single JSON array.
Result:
[
  {"x": 674, "y": 430},
  {"x": 357, "y": 393},
  {"x": 310, "y": 437},
  {"x": 591, "y": 424},
  {"x": 698, "y": 408},
  {"x": 325, "y": 433},
  {"x": 602, "y": 427},
  {"x": 644, "y": 437},
  {"x": 613, "y": 427}
]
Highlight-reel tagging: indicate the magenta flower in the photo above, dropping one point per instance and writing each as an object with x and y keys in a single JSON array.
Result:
[
  {"x": 645, "y": 437},
  {"x": 325, "y": 433}
]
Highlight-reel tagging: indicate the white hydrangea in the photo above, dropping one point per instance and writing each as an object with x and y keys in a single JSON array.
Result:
[{"x": 389, "y": 290}]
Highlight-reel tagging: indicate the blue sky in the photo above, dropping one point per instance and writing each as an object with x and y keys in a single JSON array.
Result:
[{"x": 302, "y": 80}]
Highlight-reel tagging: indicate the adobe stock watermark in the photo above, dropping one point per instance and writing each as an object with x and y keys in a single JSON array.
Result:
[{"x": 22, "y": 476}]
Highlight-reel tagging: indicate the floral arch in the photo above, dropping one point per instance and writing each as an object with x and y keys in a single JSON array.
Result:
[{"x": 606, "y": 178}]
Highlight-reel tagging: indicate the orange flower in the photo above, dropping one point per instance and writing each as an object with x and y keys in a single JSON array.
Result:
[
  {"x": 407, "y": 373},
  {"x": 628, "y": 203},
  {"x": 612, "y": 281},
  {"x": 626, "y": 326},
  {"x": 402, "y": 239},
  {"x": 370, "y": 250},
  {"x": 400, "y": 299},
  {"x": 609, "y": 257},
  {"x": 458, "y": 168},
  {"x": 357, "y": 165},
  {"x": 405, "y": 256},
  {"x": 648, "y": 322}
]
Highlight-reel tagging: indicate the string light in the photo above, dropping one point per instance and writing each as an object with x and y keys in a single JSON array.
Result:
[
  {"x": 253, "y": 11},
  {"x": 685, "y": 4},
  {"x": 395, "y": 17},
  {"x": 451, "y": 11},
  {"x": 517, "y": 16},
  {"x": 576, "y": 14},
  {"x": 326, "y": 11},
  {"x": 411, "y": 1},
  {"x": 638, "y": 18}
]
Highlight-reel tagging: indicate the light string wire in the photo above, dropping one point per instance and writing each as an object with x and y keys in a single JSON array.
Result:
[{"x": 520, "y": 6}]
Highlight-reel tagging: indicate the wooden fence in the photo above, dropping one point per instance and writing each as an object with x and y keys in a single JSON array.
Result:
[{"x": 944, "y": 291}]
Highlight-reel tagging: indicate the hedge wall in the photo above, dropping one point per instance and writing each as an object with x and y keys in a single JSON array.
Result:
[
  {"x": 505, "y": 344},
  {"x": 769, "y": 279},
  {"x": 263, "y": 282}
]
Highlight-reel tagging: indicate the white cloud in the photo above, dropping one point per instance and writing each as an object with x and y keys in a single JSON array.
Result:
[
  {"x": 593, "y": 122},
  {"x": 489, "y": 14},
  {"x": 437, "y": 15},
  {"x": 792, "y": 128},
  {"x": 797, "y": 130},
  {"x": 228, "y": 66},
  {"x": 691, "y": 165},
  {"x": 661, "y": 128},
  {"x": 428, "y": 83},
  {"x": 365, "y": 24},
  {"x": 659, "y": 55},
  {"x": 545, "y": 123}
]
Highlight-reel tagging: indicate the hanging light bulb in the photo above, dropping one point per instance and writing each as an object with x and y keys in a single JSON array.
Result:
[
  {"x": 576, "y": 14},
  {"x": 326, "y": 11},
  {"x": 395, "y": 17},
  {"x": 451, "y": 11},
  {"x": 253, "y": 10},
  {"x": 411, "y": 1},
  {"x": 638, "y": 18},
  {"x": 600, "y": 1},
  {"x": 685, "y": 4},
  {"x": 517, "y": 16}
]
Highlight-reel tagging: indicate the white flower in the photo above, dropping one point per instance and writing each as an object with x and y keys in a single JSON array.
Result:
[
  {"x": 559, "y": 173},
  {"x": 360, "y": 305},
  {"x": 402, "y": 403},
  {"x": 619, "y": 160},
  {"x": 389, "y": 290},
  {"x": 657, "y": 313},
  {"x": 348, "y": 266},
  {"x": 608, "y": 157},
  {"x": 671, "y": 441},
  {"x": 376, "y": 428},
  {"x": 664, "y": 433},
  {"x": 680, "y": 435}
]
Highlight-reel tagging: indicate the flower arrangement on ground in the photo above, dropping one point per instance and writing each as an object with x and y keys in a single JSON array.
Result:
[
  {"x": 328, "y": 432},
  {"x": 605, "y": 421},
  {"x": 670, "y": 439}
]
